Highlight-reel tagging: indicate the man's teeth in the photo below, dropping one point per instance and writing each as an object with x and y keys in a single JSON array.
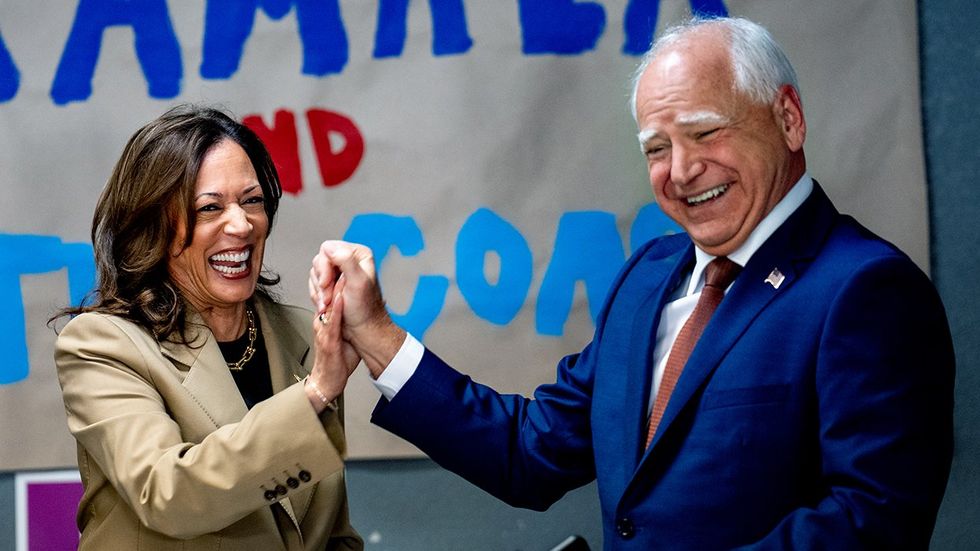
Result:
[{"x": 710, "y": 194}]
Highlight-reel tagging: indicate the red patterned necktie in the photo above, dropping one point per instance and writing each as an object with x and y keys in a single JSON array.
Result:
[{"x": 718, "y": 275}]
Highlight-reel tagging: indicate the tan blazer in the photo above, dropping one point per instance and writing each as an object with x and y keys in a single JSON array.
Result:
[{"x": 171, "y": 458}]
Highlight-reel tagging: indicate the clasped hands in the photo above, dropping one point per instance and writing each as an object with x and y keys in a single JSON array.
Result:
[{"x": 351, "y": 322}]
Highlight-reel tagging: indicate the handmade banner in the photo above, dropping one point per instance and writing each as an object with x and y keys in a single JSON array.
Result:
[{"x": 484, "y": 150}]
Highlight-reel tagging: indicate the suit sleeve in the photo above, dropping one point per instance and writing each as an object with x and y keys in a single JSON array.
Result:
[
  {"x": 884, "y": 380},
  {"x": 179, "y": 488},
  {"x": 528, "y": 453}
]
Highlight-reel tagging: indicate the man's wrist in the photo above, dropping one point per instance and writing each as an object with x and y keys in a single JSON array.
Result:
[
  {"x": 401, "y": 368},
  {"x": 377, "y": 343}
]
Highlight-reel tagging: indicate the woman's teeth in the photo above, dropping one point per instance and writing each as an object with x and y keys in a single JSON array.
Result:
[
  {"x": 231, "y": 263},
  {"x": 230, "y": 270},
  {"x": 232, "y": 257}
]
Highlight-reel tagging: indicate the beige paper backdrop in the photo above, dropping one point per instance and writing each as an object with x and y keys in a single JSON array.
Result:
[{"x": 450, "y": 141}]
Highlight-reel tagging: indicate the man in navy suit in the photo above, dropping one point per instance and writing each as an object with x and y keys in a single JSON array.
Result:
[{"x": 815, "y": 411}]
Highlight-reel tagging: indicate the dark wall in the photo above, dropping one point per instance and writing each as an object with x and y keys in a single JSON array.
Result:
[
  {"x": 413, "y": 505},
  {"x": 950, "y": 60}
]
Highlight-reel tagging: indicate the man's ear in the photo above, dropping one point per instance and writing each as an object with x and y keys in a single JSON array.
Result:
[{"x": 788, "y": 111}]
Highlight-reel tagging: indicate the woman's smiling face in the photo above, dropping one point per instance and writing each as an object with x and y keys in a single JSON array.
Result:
[{"x": 220, "y": 268}]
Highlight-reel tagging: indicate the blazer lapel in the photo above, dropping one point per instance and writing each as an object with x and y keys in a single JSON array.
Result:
[
  {"x": 288, "y": 351},
  {"x": 793, "y": 245},
  {"x": 208, "y": 378},
  {"x": 211, "y": 383}
]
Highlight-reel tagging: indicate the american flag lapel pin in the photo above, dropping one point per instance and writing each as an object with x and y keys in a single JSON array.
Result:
[{"x": 775, "y": 278}]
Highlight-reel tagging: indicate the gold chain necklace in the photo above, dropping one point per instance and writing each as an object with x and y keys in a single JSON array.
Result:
[{"x": 250, "y": 350}]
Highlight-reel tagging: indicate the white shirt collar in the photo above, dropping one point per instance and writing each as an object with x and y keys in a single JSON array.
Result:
[{"x": 783, "y": 209}]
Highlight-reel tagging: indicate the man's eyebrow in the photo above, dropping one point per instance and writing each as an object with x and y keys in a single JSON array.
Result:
[
  {"x": 684, "y": 119},
  {"x": 701, "y": 117},
  {"x": 646, "y": 135}
]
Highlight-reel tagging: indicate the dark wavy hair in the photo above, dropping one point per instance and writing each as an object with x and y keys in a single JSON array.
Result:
[{"x": 151, "y": 188}]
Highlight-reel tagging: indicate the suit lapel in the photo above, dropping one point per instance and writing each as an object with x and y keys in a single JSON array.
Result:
[
  {"x": 788, "y": 250},
  {"x": 743, "y": 302},
  {"x": 642, "y": 341}
]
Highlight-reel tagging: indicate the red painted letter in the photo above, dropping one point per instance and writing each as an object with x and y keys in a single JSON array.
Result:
[
  {"x": 283, "y": 146},
  {"x": 335, "y": 166}
]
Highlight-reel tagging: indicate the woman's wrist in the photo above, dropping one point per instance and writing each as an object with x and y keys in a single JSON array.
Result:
[{"x": 316, "y": 396}]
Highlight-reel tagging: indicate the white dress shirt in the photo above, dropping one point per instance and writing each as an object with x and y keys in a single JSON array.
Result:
[{"x": 674, "y": 314}]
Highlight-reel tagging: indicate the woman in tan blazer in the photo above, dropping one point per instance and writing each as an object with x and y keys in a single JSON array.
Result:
[{"x": 207, "y": 415}]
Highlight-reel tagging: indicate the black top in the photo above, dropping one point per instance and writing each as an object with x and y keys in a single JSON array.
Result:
[{"x": 253, "y": 380}]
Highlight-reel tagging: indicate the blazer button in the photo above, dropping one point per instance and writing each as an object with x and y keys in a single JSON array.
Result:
[
  {"x": 292, "y": 482},
  {"x": 305, "y": 476},
  {"x": 281, "y": 490},
  {"x": 624, "y": 527},
  {"x": 270, "y": 495}
]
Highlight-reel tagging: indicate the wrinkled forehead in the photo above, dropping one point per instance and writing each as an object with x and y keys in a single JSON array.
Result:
[
  {"x": 692, "y": 90},
  {"x": 693, "y": 74},
  {"x": 697, "y": 63}
]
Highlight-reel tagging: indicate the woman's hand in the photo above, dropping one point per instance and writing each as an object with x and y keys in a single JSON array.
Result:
[{"x": 335, "y": 358}]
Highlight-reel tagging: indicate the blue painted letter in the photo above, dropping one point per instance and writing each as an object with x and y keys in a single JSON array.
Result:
[
  {"x": 650, "y": 222},
  {"x": 228, "y": 24},
  {"x": 380, "y": 232},
  {"x": 588, "y": 248},
  {"x": 156, "y": 47},
  {"x": 449, "y": 33},
  {"x": 560, "y": 26},
  {"x": 34, "y": 254},
  {"x": 640, "y": 21},
  {"x": 9, "y": 75},
  {"x": 484, "y": 232}
]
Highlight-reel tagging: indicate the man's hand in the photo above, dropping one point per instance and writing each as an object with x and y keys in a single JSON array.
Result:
[
  {"x": 366, "y": 323},
  {"x": 362, "y": 297}
]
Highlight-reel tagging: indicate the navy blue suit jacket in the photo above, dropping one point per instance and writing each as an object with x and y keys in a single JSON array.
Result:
[{"x": 815, "y": 415}]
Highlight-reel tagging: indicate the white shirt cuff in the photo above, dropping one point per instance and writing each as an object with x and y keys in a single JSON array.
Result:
[{"x": 401, "y": 368}]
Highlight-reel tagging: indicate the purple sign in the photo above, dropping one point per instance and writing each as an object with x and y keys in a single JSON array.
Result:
[{"x": 46, "y": 505}]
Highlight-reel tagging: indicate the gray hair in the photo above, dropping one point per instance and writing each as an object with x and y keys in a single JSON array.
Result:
[{"x": 759, "y": 64}]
